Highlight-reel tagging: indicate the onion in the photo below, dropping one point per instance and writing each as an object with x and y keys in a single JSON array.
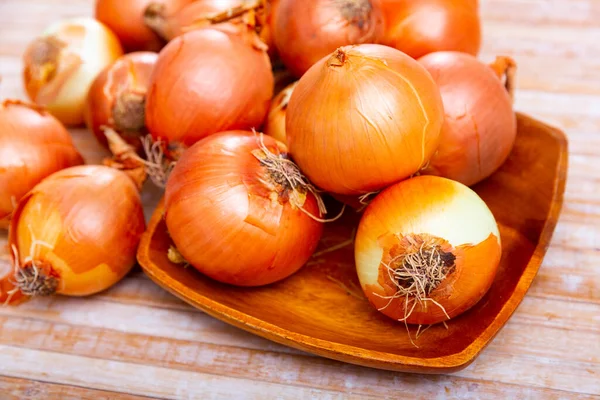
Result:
[
  {"x": 275, "y": 125},
  {"x": 33, "y": 145},
  {"x": 424, "y": 26},
  {"x": 117, "y": 98},
  {"x": 126, "y": 19},
  {"x": 306, "y": 31},
  {"x": 480, "y": 126},
  {"x": 76, "y": 233},
  {"x": 363, "y": 118},
  {"x": 427, "y": 249},
  {"x": 208, "y": 81},
  {"x": 60, "y": 66},
  {"x": 239, "y": 211}
]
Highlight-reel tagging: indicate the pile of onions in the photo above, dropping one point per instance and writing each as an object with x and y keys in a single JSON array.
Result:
[
  {"x": 364, "y": 118},
  {"x": 425, "y": 26},
  {"x": 60, "y": 66},
  {"x": 427, "y": 249},
  {"x": 239, "y": 210},
  {"x": 76, "y": 233},
  {"x": 126, "y": 19},
  {"x": 306, "y": 31},
  {"x": 117, "y": 98},
  {"x": 275, "y": 124},
  {"x": 208, "y": 81},
  {"x": 480, "y": 127},
  {"x": 33, "y": 145}
]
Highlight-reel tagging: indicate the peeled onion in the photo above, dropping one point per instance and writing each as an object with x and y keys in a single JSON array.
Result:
[
  {"x": 427, "y": 249},
  {"x": 363, "y": 118},
  {"x": 239, "y": 211},
  {"x": 76, "y": 233},
  {"x": 208, "y": 81},
  {"x": 275, "y": 124},
  {"x": 33, "y": 145},
  {"x": 117, "y": 98},
  {"x": 425, "y": 26},
  {"x": 306, "y": 31},
  {"x": 60, "y": 66},
  {"x": 480, "y": 127}
]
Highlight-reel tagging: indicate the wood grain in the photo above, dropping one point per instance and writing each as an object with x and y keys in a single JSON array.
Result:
[{"x": 555, "y": 43}]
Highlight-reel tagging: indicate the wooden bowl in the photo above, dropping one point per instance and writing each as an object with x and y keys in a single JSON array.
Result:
[{"x": 322, "y": 310}]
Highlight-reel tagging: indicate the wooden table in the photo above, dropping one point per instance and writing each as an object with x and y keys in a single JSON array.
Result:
[{"x": 137, "y": 341}]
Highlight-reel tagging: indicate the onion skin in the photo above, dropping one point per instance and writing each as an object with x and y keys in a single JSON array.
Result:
[
  {"x": 306, "y": 31},
  {"x": 208, "y": 81},
  {"x": 89, "y": 219},
  {"x": 426, "y": 26},
  {"x": 126, "y": 19},
  {"x": 117, "y": 98},
  {"x": 225, "y": 222},
  {"x": 364, "y": 118},
  {"x": 275, "y": 124},
  {"x": 445, "y": 209},
  {"x": 480, "y": 127},
  {"x": 33, "y": 145},
  {"x": 60, "y": 66}
]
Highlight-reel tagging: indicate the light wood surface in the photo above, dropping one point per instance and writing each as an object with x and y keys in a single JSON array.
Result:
[{"x": 138, "y": 340}]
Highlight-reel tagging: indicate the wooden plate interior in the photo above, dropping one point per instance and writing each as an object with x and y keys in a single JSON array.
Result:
[{"x": 321, "y": 309}]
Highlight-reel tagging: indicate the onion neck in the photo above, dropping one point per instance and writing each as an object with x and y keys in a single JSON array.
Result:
[
  {"x": 128, "y": 112},
  {"x": 338, "y": 58},
  {"x": 506, "y": 69},
  {"x": 155, "y": 18}
]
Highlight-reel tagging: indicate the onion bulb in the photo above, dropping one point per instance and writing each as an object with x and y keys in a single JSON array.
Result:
[
  {"x": 427, "y": 249},
  {"x": 60, "y": 66},
  {"x": 240, "y": 211},
  {"x": 33, "y": 145},
  {"x": 363, "y": 118},
  {"x": 76, "y": 233},
  {"x": 306, "y": 31},
  {"x": 208, "y": 81},
  {"x": 275, "y": 124},
  {"x": 480, "y": 127},
  {"x": 425, "y": 26},
  {"x": 117, "y": 98},
  {"x": 126, "y": 19}
]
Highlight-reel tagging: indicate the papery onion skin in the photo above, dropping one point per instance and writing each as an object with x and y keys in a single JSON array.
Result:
[
  {"x": 86, "y": 222},
  {"x": 306, "y": 31},
  {"x": 275, "y": 123},
  {"x": 426, "y": 26},
  {"x": 126, "y": 19},
  {"x": 33, "y": 145},
  {"x": 208, "y": 81},
  {"x": 117, "y": 98},
  {"x": 364, "y": 118},
  {"x": 222, "y": 220},
  {"x": 444, "y": 209},
  {"x": 480, "y": 127},
  {"x": 60, "y": 66}
]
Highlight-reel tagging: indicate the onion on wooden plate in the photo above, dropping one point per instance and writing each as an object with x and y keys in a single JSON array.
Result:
[{"x": 322, "y": 310}]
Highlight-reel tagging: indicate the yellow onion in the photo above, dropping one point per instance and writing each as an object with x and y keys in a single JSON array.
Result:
[
  {"x": 363, "y": 118},
  {"x": 427, "y": 249},
  {"x": 76, "y": 233},
  {"x": 60, "y": 65}
]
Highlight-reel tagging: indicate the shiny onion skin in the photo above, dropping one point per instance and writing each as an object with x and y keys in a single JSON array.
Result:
[
  {"x": 226, "y": 218},
  {"x": 208, "y": 81},
  {"x": 126, "y": 19},
  {"x": 275, "y": 124},
  {"x": 480, "y": 127},
  {"x": 425, "y": 26},
  {"x": 437, "y": 227},
  {"x": 60, "y": 65},
  {"x": 306, "y": 31},
  {"x": 76, "y": 233},
  {"x": 117, "y": 98},
  {"x": 33, "y": 145},
  {"x": 363, "y": 118}
]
